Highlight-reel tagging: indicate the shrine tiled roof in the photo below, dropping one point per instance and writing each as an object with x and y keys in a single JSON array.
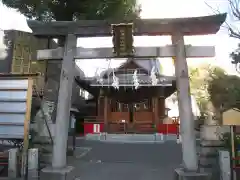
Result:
[{"x": 146, "y": 64}]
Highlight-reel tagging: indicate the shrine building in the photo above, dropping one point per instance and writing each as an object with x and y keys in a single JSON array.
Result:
[{"x": 127, "y": 108}]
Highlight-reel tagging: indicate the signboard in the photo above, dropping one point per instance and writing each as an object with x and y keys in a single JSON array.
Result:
[
  {"x": 15, "y": 112},
  {"x": 231, "y": 117},
  {"x": 122, "y": 40},
  {"x": 14, "y": 102}
]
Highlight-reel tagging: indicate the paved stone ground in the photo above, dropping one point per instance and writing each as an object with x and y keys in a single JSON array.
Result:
[{"x": 111, "y": 161}]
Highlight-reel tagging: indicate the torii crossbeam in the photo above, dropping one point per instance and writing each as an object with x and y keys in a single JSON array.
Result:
[{"x": 140, "y": 52}]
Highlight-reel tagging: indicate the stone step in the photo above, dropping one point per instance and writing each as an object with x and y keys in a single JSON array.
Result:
[{"x": 131, "y": 137}]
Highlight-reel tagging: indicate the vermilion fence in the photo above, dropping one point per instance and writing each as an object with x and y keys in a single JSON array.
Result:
[
  {"x": 98, "y": 127},
  {"x": 168, "y": 128},
  {"x": 93, "y": 128}
]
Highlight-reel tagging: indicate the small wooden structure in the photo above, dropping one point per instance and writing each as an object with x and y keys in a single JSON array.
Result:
[{"x": 231, "y": 118}]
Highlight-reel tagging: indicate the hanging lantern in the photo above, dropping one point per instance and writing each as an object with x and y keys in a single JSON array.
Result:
[{"x": 122, "y": 39}]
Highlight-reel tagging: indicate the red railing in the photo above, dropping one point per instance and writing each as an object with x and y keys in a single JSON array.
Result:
[
  {"x": 168, "y": 128},
  {"x": 93, "y": 128},
  {"x": 93, "y": 125}
]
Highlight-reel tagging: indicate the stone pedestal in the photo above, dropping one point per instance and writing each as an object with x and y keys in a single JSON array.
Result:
[
  {"x": 57, "y": 174},
  {"x": 210, "y": 144},
  {"x": 180, "y": 174},
  {"x": 13, "y": 163}
]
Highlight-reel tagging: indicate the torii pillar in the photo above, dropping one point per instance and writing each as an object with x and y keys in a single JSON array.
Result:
[
  {"x": 59, "y": 169},
  {"x": 59, "y": 159},
  {"x": 190, "y": 161}
]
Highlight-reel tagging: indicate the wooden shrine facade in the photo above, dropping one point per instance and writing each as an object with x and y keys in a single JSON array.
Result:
[
  {"x": 129, "y": 109},
  {"x": 141, "y": 117}
]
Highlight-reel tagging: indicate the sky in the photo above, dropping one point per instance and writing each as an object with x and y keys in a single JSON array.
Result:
[{"x": 152, "y": 9}]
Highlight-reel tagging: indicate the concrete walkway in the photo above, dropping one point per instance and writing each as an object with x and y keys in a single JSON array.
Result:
[
  {"x": 132, "y": 138},
  {"x": 96, "y": 160}
]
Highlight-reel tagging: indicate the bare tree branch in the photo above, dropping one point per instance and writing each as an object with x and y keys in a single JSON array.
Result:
[
  {"x": 234, "y": 8},
  {"x": 233, "y": 31}
]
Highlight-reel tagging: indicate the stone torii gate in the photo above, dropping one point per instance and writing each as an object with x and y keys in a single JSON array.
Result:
[{"x": 177, "y": 28}]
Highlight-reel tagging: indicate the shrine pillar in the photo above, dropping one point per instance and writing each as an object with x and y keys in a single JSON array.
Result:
[
  {"x": 190, "y": 162},
  {"x": 161, "y": 109},
  {"x": 100, "y": 105},
  {"x": 155, "y": 111},
  {"x": 105, "y": 113}
]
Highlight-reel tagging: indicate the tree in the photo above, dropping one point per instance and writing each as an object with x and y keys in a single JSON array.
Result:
[
  {"x": 199, "y": 82},
  {"x": 224, "y": 91},
  {"x": 235, "y": 13},
  {"x": 68, "y": 10},
  {"x": 236, "y": 58},
  {"x": 214, "y": 90},
  {"x": 197, "y": 86},
  {"x": 199, "y": 78}
]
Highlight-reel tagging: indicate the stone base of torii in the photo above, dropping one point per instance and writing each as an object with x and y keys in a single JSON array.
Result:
[{"x": 177, "y": 28}]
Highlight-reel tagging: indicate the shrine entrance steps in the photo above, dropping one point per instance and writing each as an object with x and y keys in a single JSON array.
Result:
[{"x": 132, "y": 138}]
